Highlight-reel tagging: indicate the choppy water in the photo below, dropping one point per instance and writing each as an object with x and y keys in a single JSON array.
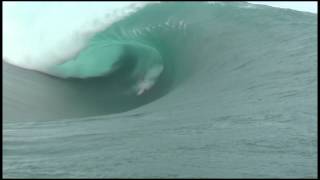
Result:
[{"x": 222, "y": 90}]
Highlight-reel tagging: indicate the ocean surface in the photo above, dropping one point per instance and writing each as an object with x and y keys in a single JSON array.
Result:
[{"x": 172, "y": 90}]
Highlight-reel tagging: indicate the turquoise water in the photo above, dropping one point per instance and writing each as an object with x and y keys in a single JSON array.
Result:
[{"x": 223, "y": 90}]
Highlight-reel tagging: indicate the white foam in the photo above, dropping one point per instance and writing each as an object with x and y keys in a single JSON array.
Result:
[{"x": 39, "y": 34}]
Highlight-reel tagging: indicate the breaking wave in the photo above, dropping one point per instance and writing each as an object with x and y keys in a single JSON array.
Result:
[{"x": 186, "y": 83}]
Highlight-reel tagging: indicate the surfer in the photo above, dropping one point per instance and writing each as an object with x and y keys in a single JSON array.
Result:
[
  {"x": 149, "y": 79},
  {"x": 143, "y": 86}
]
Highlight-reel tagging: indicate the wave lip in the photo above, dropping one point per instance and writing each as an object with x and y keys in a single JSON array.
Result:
[{"x": 44, "y": 40}]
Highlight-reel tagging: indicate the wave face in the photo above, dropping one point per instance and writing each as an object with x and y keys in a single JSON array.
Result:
[{"x": 222, "y": 90}]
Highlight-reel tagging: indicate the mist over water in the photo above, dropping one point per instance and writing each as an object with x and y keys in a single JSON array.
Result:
[{"x": 187, "y": 90}]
